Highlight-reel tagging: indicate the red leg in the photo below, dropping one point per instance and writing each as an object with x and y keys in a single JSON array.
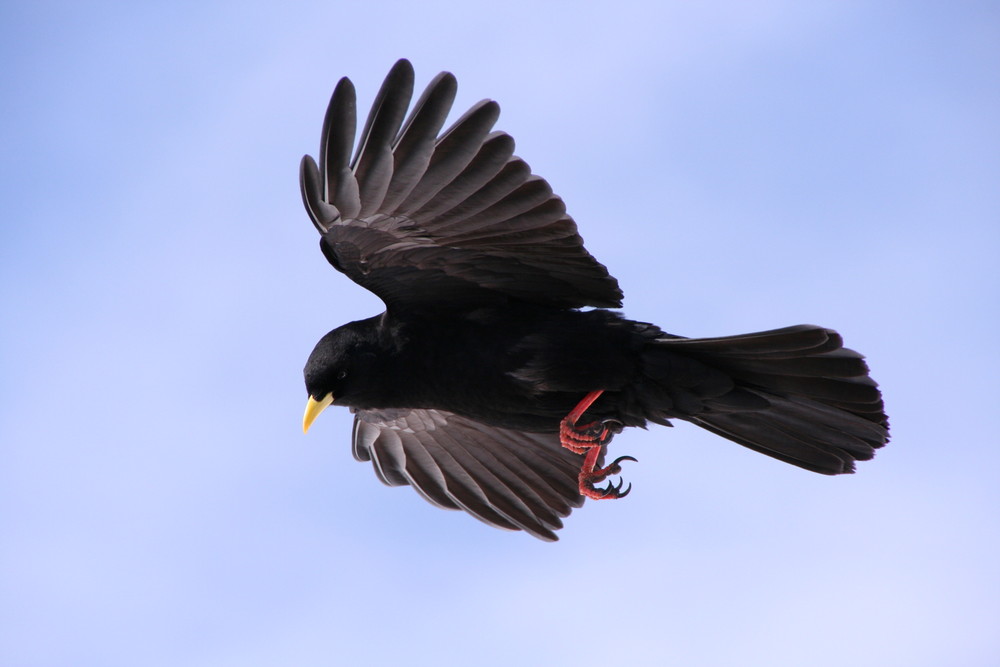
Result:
[
  {"x": 582, "y": 406},
  {"x": 590, "y": 439}
]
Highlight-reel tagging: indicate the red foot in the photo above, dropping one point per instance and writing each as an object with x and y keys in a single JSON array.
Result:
[{"x": 590, "y": 439}]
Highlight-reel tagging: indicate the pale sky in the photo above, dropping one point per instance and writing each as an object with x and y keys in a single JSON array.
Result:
[{"x": 737, "y": 166}]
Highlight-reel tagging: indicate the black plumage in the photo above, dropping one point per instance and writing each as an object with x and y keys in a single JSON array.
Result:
[{"x": 460, "y": 387}]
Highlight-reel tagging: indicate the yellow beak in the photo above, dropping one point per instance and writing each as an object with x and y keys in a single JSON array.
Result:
[{"x": 313, "y": 408}]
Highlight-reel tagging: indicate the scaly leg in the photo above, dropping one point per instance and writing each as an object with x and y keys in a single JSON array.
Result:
[{"x": 590, "y": 439}]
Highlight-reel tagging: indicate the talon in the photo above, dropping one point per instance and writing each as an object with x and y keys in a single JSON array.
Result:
[
  {"x": 611, "y": 491},
  {"x": 615, "y": 468},
  {"x": 593, "y": 433},
  {"x": 613, "y": 426},
  {"x": 585, "y": 436},
  {"x": 590, "y": 439},
  {"x": 617, "y": 461}
]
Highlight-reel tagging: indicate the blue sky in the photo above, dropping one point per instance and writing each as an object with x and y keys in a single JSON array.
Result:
[{"x": 737, "y": 166}]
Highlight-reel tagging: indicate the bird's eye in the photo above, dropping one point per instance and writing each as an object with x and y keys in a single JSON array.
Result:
[{"x": 341, "y": 375}]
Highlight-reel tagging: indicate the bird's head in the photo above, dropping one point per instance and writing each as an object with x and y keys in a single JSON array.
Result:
[{"x": 340, "y": 369}]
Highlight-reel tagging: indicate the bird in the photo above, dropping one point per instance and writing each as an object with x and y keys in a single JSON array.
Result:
[{"x": 502, "y": 367}]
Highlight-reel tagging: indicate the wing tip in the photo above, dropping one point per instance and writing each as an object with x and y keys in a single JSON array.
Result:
[{"x": 322, "y": 214}]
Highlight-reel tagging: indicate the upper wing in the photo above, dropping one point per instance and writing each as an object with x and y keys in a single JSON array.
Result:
[
  {"x": 509, "y": 479},
  {"x": 422, "y": 219}
]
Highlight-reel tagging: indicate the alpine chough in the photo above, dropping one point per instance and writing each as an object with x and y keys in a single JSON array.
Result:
[{"x": 485, "y": 385}]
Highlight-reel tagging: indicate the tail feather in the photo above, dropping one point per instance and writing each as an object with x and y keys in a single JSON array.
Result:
[
  {"x": 784, "y": 342},
  {"x": 764, "y": 434},
  {"x": 846, "y": 390},
  {"x": 816, "y": 405},
  {"x": 838, "y": 363}
]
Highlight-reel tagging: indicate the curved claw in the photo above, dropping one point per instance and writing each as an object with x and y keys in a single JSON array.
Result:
[
  {"x": 614, "y": 491},
  {"x": 618, "y": 460},
  {"x": 612, "y": 426},
  {"x": 606, "y": 493},
  {"x": 610, "y": 492},
  {"x": 615, "y": 468},
  {"x": 589, "y": 477}
]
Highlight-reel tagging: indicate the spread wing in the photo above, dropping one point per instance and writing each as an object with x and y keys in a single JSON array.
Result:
[
  {"x": 421, "y": 219},
  {"x": 508, "y": 479}
]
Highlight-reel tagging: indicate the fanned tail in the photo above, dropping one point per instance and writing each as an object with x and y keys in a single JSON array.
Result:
[{"x": 796, "y": 394}]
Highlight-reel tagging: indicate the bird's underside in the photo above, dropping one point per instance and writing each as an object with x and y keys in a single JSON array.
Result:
[{"x": 483, "y": 386}]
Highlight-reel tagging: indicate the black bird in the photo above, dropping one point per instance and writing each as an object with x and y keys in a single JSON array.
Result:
[{"x": 483, "y": 384}]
